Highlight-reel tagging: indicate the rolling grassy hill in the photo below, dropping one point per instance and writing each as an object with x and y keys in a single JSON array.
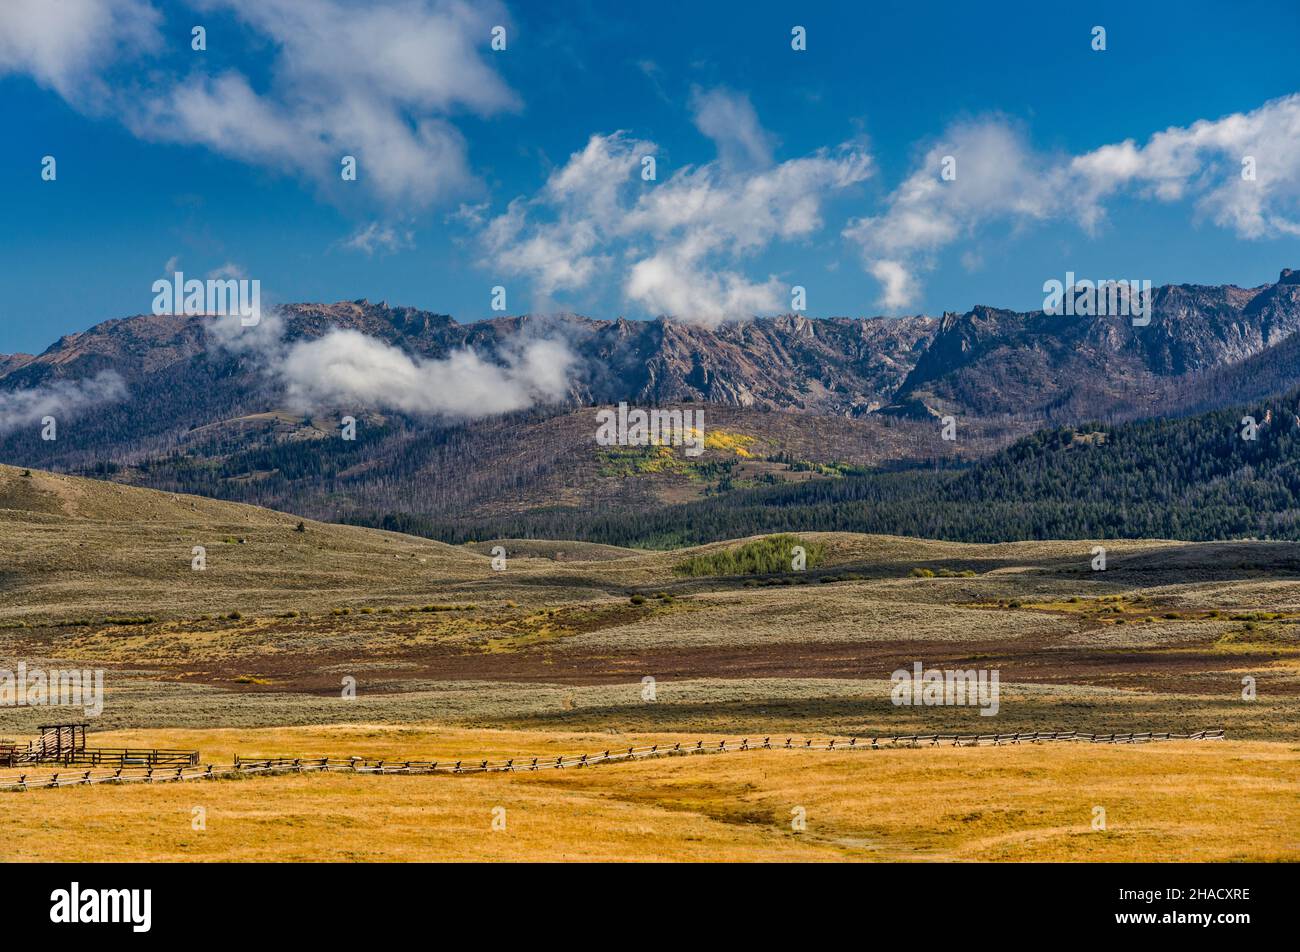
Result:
[{"x": 96, "y": 574}]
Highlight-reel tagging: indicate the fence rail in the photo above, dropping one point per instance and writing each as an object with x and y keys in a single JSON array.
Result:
[
  {"x": 244, "y": 766},
  {"x": 14, "y": 756},
  {"x": 120, "y": 757}
]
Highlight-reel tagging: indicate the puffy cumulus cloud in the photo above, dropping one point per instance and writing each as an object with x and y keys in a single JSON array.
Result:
[
  {"x": 1000, "y": 178},
  {"x": 1204, "y": 162},
  {"x": 993, "y": 174},
  {"x": 898, "y": 286},
  {"x": 578, "y": 207},
  {"x": 347, "y": 368},
  {"x": 703, "y": 220},
  {"x": 709, "y": 208},
  {"x": 58, "y": 399},
  {"x": 382, "y": 87},
  {"x": 729, "y": 119},
  {"x": 261, "y": 342},
  {"x": 673, "y": 245},
  {"x": 425, "y": 53},
  {"x": 670, "y": 282},
  {"x": 64, "y": 45}
]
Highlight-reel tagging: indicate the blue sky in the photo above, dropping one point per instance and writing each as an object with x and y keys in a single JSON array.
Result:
[{"x": 521, "y": 167}]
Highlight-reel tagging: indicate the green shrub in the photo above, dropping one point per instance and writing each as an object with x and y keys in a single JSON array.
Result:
[{"x": 761, "y": 557}]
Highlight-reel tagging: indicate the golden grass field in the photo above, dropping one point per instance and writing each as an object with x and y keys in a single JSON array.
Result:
[
  {"x": 1177, "y": 801},
  {"x": 548, "y": 657}
]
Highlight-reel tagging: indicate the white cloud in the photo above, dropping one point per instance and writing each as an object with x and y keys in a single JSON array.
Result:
[
  {"x": 1002, "y": 179},
  {"x": 1203, "y": 162},
  {"x": 228, "y": 270},
  {"x": 704, "y": 219},
  {"x": 346, "y": 368},
  {"x": 728, "y": 118},
  {"x": 379, "y": 236},
  {"x": 582, "y": 202},
  {"x": 681, "y": 238},
  {"x": 383, "y": 86},
  {"x": 898, "y": 284},
  {"x": 65, "y": 44},
  {"x": 261, "y": 342},
  {"x": 670, "y": 282},
  {"x": 997, "y": 177},
  {"x": 59, "y": 399}
]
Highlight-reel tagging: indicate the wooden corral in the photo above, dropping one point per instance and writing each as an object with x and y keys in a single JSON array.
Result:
[{"x": 66, "y": 744}]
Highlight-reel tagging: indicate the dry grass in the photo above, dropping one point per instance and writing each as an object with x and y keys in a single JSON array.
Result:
[
  {"x": 555, "y": 646},
  {"x": 1165, "y": 802}
]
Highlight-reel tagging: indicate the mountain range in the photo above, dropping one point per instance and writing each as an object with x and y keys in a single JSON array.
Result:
[{"x": 788, "y": 399}]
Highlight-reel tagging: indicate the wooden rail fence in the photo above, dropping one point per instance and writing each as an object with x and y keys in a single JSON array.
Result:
[
  {"x": 111, "y": 757},
  {"x": 244, "y": 766}
]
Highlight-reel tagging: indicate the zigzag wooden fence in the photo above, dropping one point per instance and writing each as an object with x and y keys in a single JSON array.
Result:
[{"x": 363, "y": 765}]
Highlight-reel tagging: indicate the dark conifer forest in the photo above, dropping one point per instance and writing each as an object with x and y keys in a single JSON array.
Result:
[{"x": 1192, "y": 479}]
